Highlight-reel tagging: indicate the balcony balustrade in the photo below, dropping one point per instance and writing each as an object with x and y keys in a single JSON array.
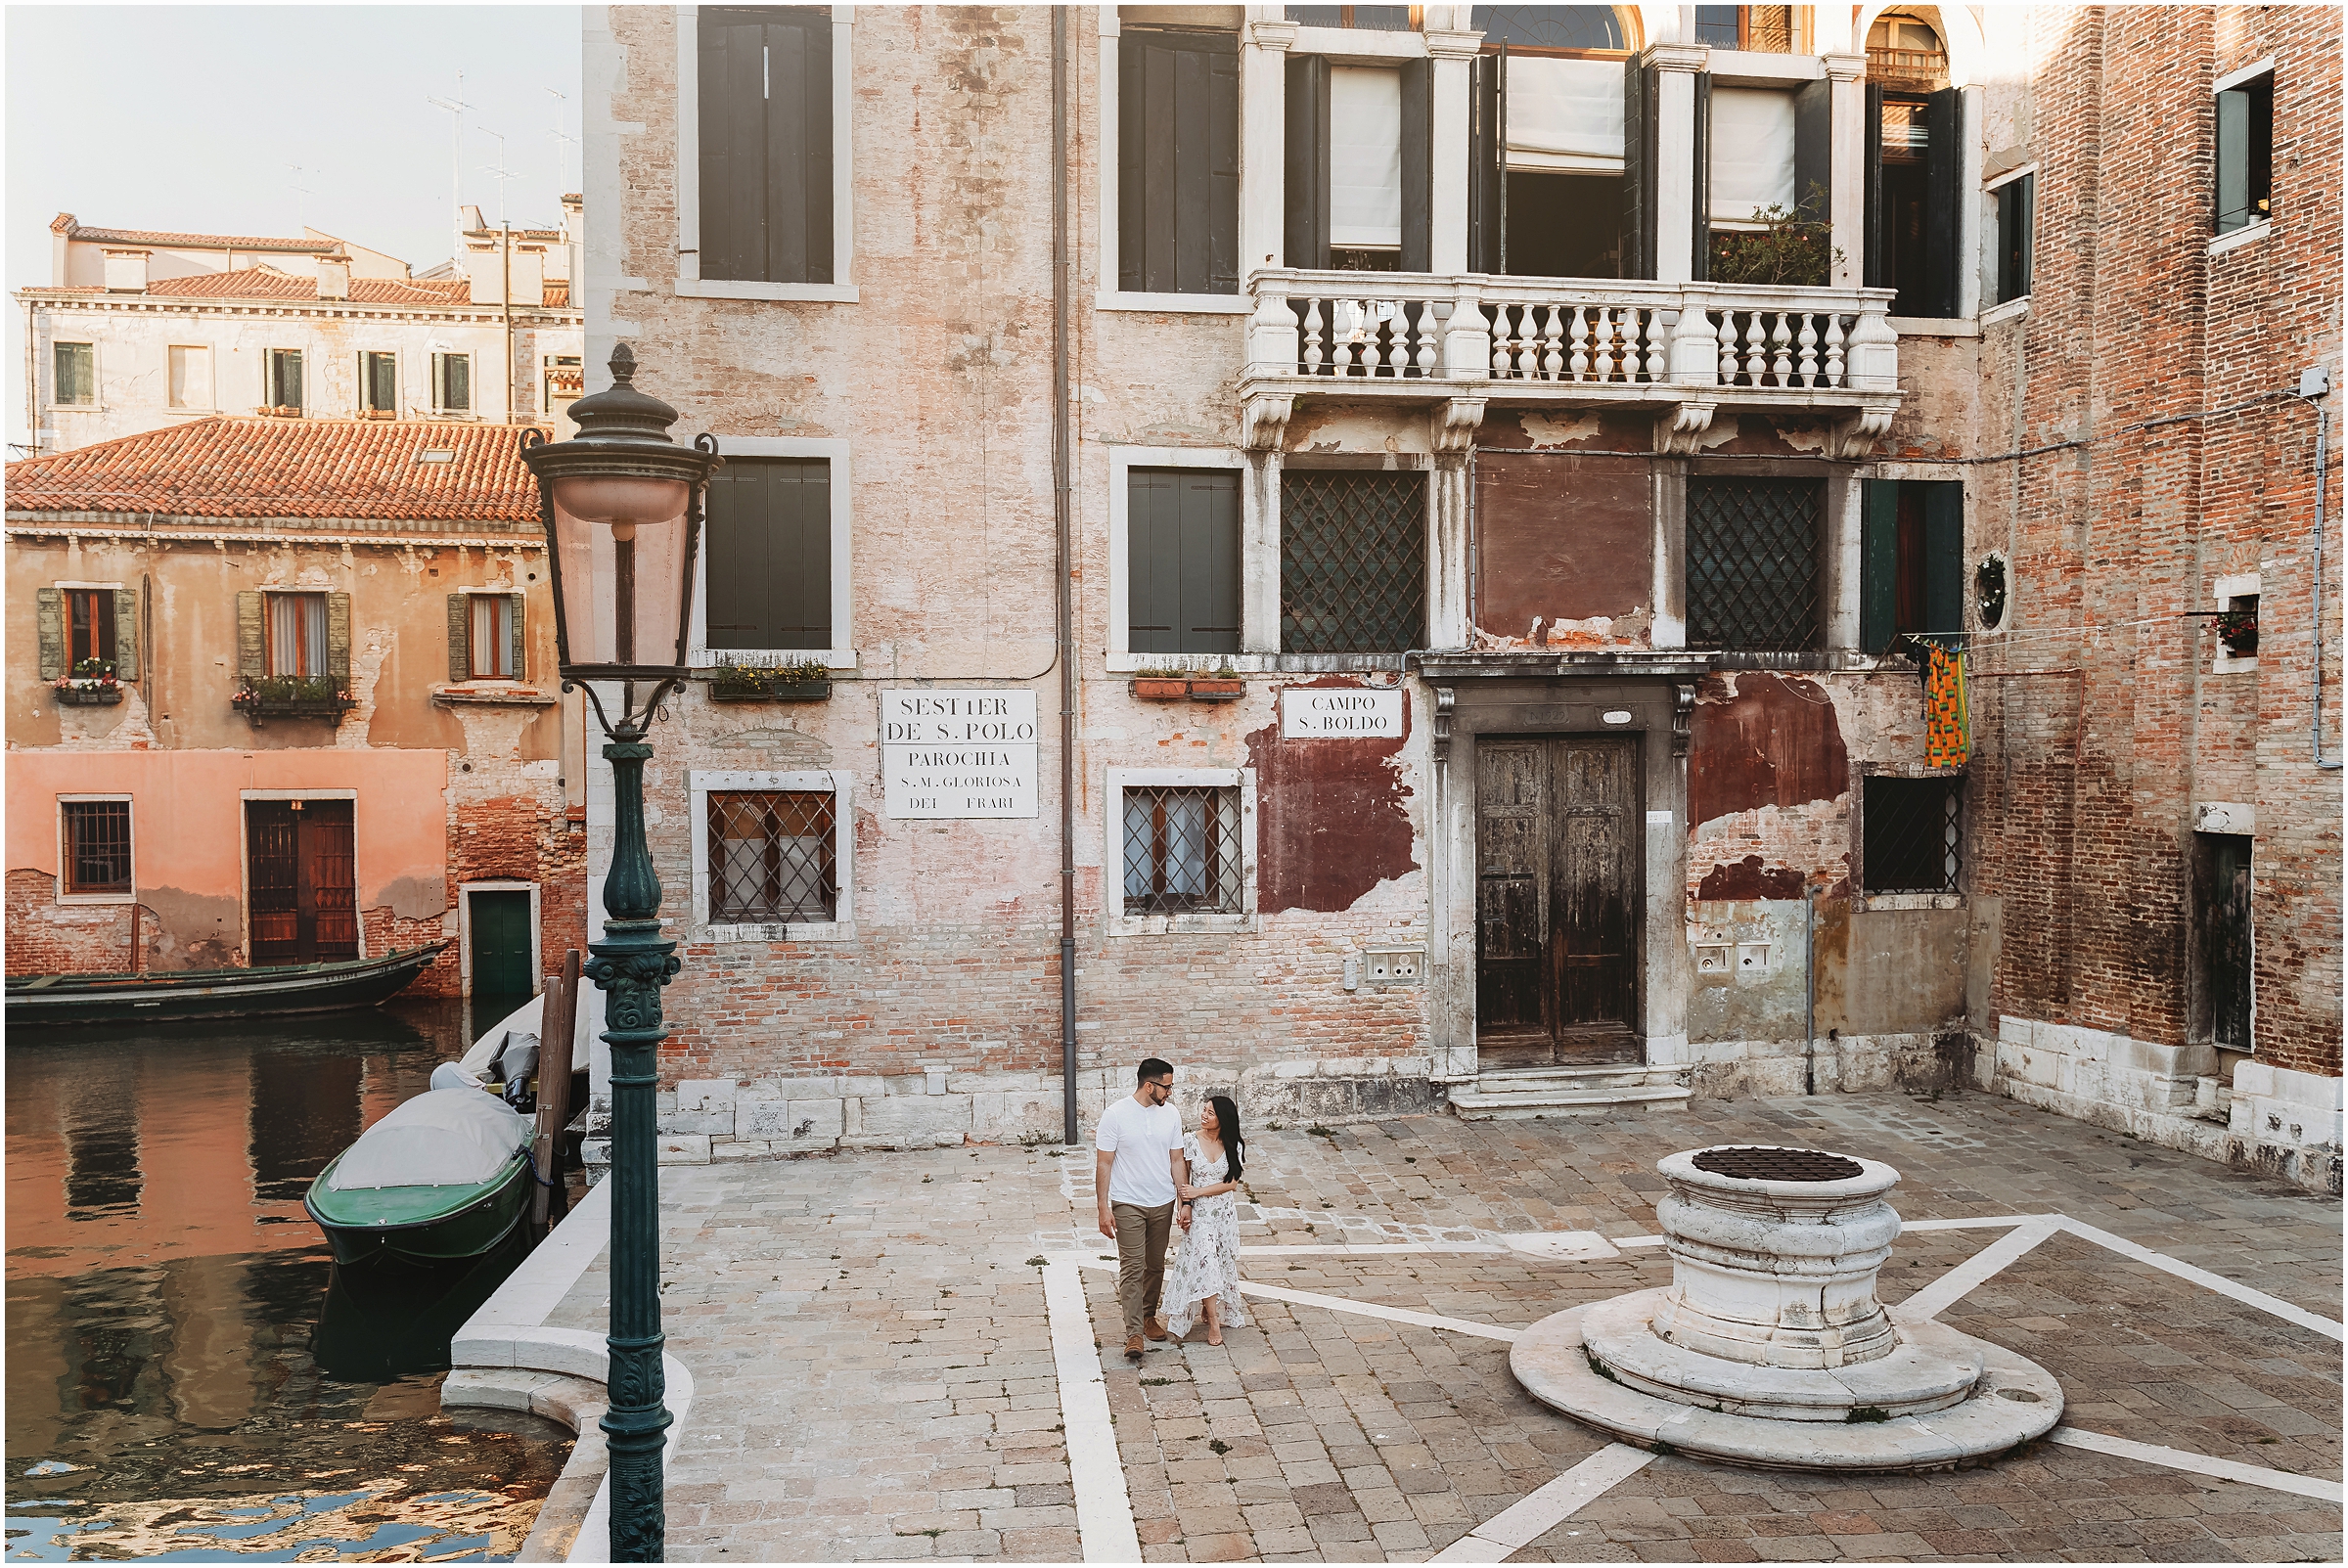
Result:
[{"x": 1686, "y": 349}]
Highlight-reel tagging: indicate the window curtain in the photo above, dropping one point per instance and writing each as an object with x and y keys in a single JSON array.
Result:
[
  {"x": 492, "y": 636},
  {"x": 1752, "y": 153},
  {"x": 1365, "y": 157},
  {"x": 1565, "y": 115},
  {"x": 296, "y": 633}
]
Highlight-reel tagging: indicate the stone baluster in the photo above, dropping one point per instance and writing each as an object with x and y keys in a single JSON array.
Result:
[
  {"x": 1312, "y": 360},
  {"x": 1602, "y": 363},
  {"x": 1578, "y": 362},
  {"x": 1502, "y": 360},
  {"x": 1780, "y": 364},
  {"x": 1658, "y": 339},
  {"x": 1728, "y": 348},
  {"x": 1756, "y": 361},
  {"x": 1423, "y": 355},
  {"x": 1553, "y": 336},
  {"x": 1833, "y": 370},
  {"x": 1806, "y": 368}
]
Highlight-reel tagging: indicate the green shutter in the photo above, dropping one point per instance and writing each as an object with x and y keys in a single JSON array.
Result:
[
  {"x": 460, "y": 631},
  {"x": 521, "y": 667},
  {"x": 338, "y": 638},
  {"x": 1944, "y": 555},
  {"x": 1879, "y": 563},
  {"x": 252, "y": 648},
  {"x": 126, "y": 634},
  {"x": 51, "y": 617},
  {"x": 2233, "y": 160}
]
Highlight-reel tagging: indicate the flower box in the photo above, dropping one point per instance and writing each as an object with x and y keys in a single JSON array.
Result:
[
  {"x": 1218, "y": 688},
  {"x": 329, "y": 708},
  {"x": 1159, "y": 687},
  {"x": 2238, "y": 631},
  {"x": 87, "y": 693},
  {"x": 769, "y": 691},
  {"x": 291, "y": 697}
]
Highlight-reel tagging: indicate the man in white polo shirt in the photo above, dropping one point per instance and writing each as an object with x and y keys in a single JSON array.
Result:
[{"x": 1132, "y": 1175}]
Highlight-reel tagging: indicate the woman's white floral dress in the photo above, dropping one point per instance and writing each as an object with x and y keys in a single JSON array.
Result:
[{"x": 1208, "y": 1261}]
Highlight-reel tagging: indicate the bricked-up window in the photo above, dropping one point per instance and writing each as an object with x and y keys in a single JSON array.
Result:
[
  {"x": 1914, "y": 836},
  {"x": 2246, "y": 152},
  {"x": 2018, "y": 203},
  {"x": 1178, "y": 160},
  {"x": 1181, "y": 561},
  {"x": 1182, "y": 850},
  {"x": 97, "y": 846},
  {"x": 1352, "y": 562},
  {"x": 765, "y": 86},
  {"x": 1753, "y": 556},
  {"x": 773, "y": 857},
  {"x": 769, "y": 542},
  {"x": 75, "y": 382}
]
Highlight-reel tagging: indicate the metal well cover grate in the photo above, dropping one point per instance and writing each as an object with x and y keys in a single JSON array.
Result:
[
  {"x": 1352, "y": 562},
  {"x": 1753, "y": 564},
  {"x": 1914, "y": 836},
  {"x": 1757, "y": 1163},
  {"x": 1182, "y": 850},
  {"x": 771, "y": 857},
  {"x": 98, "y": 834}
]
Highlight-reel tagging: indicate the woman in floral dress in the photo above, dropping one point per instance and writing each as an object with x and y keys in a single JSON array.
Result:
[{"x": 1205, "y": 1281}]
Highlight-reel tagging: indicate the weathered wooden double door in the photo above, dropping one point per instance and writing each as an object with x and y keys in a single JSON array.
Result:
[
  {"x": 301, "y": 882},
  {"x": 1557, "y": 898}
]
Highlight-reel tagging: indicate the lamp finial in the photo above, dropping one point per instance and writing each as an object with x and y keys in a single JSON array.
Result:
[{"x": 623, "y": 365}]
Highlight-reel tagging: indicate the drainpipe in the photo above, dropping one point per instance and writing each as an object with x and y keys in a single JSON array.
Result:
[
  {"x": 1062, "y": 564},
  {"x": 2313, "y": 385},
  {"x": 1809, "y": 989}
]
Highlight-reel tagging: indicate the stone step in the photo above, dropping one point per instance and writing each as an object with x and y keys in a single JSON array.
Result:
[
  {"x": 1565, "y": 1100},
  {"x": 1544, "y": 1080}
]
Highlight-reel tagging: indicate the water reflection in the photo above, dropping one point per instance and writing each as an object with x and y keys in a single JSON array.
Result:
[{"x": 185, "y": 1374}]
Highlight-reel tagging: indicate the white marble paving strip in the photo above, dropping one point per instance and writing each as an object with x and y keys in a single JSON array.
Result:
[
  {"x": 1103, "y": 1507},
  {"x": 1907, "y": 1226},
  {"x": 2202, "y": 1277},
  {"x": 1341, "y": 1250},
  {"x": 1638, "y": 1241},
  {"x": 1371, "y": 1309},
  {"x": 1526, "y": 1521},
  {"x": 1952, "y": 1286},
  {"x": 2200, "y": 1464}
]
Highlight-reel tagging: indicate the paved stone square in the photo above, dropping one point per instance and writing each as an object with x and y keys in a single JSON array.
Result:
[{"x": 877, "y": 1376}]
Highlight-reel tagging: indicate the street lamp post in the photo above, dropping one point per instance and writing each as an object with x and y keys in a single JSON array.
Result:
[{"x": 621, "y": 505}]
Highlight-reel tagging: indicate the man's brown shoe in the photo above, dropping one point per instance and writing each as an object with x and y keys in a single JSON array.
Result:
[
  {"x": 1133, "y": 1347},
  {"x": 1155, "y": 1329}
]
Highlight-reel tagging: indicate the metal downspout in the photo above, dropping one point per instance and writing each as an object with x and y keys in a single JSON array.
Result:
[
  {"x": 2322, "y": 483},
  {"x": 1064, "y": 586},
  {"x": 1809, "y": 990}
]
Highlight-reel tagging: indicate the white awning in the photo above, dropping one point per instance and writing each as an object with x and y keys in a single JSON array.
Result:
[
  {"x": 1752, "y": 152},
  {"x": 1365, "y": 157},
  {"x": 1565, "y": 115}
]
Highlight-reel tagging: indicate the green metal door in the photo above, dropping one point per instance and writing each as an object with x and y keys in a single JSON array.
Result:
[{"x": 501, "y": 942}]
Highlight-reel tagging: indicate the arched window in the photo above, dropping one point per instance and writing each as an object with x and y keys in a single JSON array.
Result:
[
  {"x": 1551, "y": 27},
  {"x": 1905, "y": 50},
  {"x": 1757, "y": 29}
]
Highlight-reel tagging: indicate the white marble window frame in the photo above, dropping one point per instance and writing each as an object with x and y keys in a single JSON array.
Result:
[
  {"x": 1242, "y": 921},
  {"x": 842, "y": 654},
  {"x": 841, "y": 784}
]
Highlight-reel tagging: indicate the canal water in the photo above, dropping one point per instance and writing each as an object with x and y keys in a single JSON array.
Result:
[{"x": 189, "y": 1378}]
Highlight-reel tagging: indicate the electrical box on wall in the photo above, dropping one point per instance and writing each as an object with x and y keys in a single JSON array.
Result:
[
  {"x": 1752, "y": 958},
  {"x": 1714, "y": 958},
  {"x": 1395, "y": 965}
]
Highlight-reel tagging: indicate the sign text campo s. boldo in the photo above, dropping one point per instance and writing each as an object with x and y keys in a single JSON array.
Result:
[
  {"x": 958, "y": 754},
  {"x": 1341, "y": 713}
]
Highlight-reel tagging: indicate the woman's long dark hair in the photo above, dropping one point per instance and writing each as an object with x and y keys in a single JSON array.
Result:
[{"x": 1227, "y": 1128}]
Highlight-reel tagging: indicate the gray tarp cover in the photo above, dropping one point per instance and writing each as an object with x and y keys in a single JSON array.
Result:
[{"x": 444, "y": 1138}]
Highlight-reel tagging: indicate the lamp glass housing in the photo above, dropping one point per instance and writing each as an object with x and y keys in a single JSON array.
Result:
[{"x": 623, "y": 551}]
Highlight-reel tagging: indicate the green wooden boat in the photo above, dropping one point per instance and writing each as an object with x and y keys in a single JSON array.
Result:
[
  {"x": 158, "y": 994},
  {"x": 443, "y": 1178}
]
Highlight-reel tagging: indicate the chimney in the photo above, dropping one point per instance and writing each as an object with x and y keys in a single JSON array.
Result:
[
  {"x": 333, "y": 277},
  {"x": 126, "y": 272}
]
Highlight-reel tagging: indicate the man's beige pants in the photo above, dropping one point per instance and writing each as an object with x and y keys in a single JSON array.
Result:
[{"x": 1141, "y": 1238}]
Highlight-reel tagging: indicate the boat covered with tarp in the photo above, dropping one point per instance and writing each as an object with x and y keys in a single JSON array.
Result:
[
  {"x": 445, "y": 1176},
  {"x": 156, "y": 995}
]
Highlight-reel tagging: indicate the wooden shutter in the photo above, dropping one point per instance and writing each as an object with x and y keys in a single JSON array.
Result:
[
  {"x": 1305, "y": 177},
  {"x": 1944, "y": 554},
  {"x": 460, "y": 639},
  {"x": 1879, "y": 563},
  {"x": 1153, "y": 561},
  {"x": 126, "y": 634},
  {"x": 1874, "y": 272},
  {"x": 1178, "y": 156},
  {"x": 1814, "y": 152},
  {"x": 1220, "y": 196},
  {"x": 520, "y": 666},
  {"x": 252, "y": 644},
  {"x": 1417, "y": 165},
  {"x": 765, "y": 89},
  {"x": 769, "y": 538},
  {"x": 1700, "y": 241},
  {"x": 1483, "y": 203},
  {"x": 730, "y": 54},
  {"x": 338, "y": 638},
  {"x": 1944, "y": 171},
  {"x": 50, "y": 616},
  {"x": 1209, "y": 617},
  {"x": 798, "y": 146},
  {"x": 1637, "y": 169}
]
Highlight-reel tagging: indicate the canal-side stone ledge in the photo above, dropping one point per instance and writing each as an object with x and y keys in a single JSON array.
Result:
[{"x": 708, "y": 1121}]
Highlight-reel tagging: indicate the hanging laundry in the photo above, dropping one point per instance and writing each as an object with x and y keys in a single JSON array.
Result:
[{"x": 1948, "y": 715}]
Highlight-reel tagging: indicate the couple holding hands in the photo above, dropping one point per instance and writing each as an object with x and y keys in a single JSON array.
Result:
[{"x": 1151, "y": 1177}]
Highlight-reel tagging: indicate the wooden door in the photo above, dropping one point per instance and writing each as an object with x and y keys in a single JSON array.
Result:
[
  {"x": 1557, "y": 841},
  {"x": 501, "y": 943},
  {"x": 300, "y": 881}
]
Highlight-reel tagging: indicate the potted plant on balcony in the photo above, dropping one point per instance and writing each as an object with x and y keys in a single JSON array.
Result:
[
  {"x": 91, "y": 685},
  {"x": 1224, "y": 685},
  {"x": 2238, "y": 629},
  {"x": 1790, "y": 250},
  {"x": 800, "y": 681},
  {"x": 1159, "y": 686},
  {"x": 291, "y": 697}
]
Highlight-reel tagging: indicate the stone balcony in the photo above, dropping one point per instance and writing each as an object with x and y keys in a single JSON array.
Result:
[{"x": 1683, "y": 350}]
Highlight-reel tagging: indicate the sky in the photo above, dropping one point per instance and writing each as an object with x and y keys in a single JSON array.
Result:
[{"x": 257, "y": 119}]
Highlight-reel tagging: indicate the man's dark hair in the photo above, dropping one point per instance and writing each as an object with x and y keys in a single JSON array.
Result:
[{"x": 1149, "y": 1069}]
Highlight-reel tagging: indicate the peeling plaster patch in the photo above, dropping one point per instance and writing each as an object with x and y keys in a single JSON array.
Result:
[
  {"x": 1547, "y": 431},
  {"x": 1759, "y": 436},
  {"x": 1762, "y": 740},
  {"x": 1332, "y": 819},
  {"x": 1748, "y": 879},
  {"x": 413, "y": 898}
]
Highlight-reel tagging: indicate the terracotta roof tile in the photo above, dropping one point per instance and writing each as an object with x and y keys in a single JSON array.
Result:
[
  {"x": 265, "y": 468},
  {"x": 555, "y": 295},
  {"x": 73, "y": 230},
  {"x": 268, "y": 283}
]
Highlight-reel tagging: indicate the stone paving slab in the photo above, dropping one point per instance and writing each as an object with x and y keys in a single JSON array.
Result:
[{"x": 869, "y": 1337}]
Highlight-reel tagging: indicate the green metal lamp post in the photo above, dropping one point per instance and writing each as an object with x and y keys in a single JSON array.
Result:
[{"x": 621, "y": 505}]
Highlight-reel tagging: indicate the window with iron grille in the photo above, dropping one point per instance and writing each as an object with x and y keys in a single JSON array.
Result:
[
  {"x": 97, "y": 846},
  {"x": 1352, "y": 562},
  {"x": 772, "y": 857},
  {"x": 1914, "y": 836},
  {"x": 1753, "y": 556},
  {"x": 1182, "y": 850}
]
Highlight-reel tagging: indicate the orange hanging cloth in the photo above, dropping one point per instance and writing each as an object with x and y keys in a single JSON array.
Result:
[{"x": 1948, "y": 719}]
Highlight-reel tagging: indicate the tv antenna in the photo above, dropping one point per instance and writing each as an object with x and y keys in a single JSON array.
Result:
[{"x": 456, "y": 107}]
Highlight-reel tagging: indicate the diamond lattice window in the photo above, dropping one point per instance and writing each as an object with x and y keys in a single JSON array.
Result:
[
  {"x": 1753, "y": 564},
  {"x": 1352, "y": 562},
  {"x": 1914, "y": 836},
  {"x": 1182, "y": 850},
  {"x": 772, "y": 857}
]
